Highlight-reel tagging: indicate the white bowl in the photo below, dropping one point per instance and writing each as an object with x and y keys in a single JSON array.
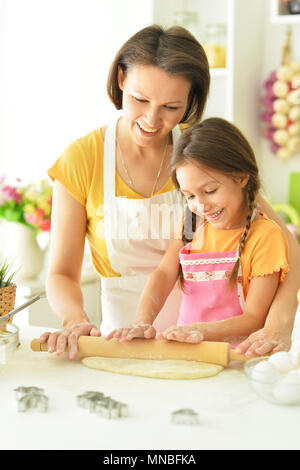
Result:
[{"x": 271, "y": 384}]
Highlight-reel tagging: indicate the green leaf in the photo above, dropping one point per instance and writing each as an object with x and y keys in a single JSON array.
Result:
[{"x": 6, "y": 276}]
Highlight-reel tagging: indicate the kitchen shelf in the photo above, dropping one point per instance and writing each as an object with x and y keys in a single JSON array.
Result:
[
  {"x": 227, "y": 97},
  {"x": 218, "y": 72},
  {"x": 281, "y": 15},
  {"x": 220, "y": 102}
]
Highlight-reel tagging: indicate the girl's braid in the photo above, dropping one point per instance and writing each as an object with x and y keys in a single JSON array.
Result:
[{"x": 242, "y": 241}]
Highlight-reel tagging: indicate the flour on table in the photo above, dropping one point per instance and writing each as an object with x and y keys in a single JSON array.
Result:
[{"x": 164, "y": 369}]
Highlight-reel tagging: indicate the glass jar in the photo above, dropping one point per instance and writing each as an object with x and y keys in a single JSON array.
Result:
[
  {"x": 294, "y": 7},
  {"x": 215, "y": 44},
  {"x": 187, "y": 19}
]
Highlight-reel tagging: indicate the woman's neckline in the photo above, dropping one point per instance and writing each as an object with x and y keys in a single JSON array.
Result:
[
  {"x": 140, "y": 196},
  {"x": 128, "y": 188}
]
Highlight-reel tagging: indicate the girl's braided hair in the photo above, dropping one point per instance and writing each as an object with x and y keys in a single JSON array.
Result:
[{"x": 220, "y": 146}]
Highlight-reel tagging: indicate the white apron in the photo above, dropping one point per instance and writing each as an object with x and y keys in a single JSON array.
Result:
[{"x": 137, "y": 234}]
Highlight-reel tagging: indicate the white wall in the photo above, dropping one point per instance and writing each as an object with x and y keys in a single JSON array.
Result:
[
  {"x": 54, "y": 60},
  {"x": 274, "y": 171}
]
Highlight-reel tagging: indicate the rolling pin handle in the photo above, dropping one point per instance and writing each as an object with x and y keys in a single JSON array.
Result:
[
  {"x": 233, "y": 356},
  {"x": 36, "y": 345}
]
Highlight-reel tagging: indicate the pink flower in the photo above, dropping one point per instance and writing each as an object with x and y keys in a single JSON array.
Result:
[
  {"x": 208, "y": 275},
  {"x": 37, "y": 220},
  {"x": 30, "y": 219},
  {"x": 9, "y": 193},
  {"x": 45, "y": 225},
  {"x": 40, "y": 214},
  {"x": 189, "y": 275}
]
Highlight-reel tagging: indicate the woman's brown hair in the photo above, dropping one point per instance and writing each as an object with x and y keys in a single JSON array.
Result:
[
  {"x": 219, "y": 145},
  {"x": 174, "y": 50}
]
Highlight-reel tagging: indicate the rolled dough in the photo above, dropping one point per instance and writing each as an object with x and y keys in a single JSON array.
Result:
[{"x": 160, "y": 369}]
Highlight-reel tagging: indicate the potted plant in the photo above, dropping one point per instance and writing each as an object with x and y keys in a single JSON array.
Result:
[
  {"x": 25, "y": 212},
  {"x": 29, "y": 205},
  {"x": 7, "y": 287}
]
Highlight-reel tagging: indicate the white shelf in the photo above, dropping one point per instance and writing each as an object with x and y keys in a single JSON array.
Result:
[
  {"x": 227, "y": 98},
  {"x": 218, "y": 72},
  {"x": 286, "y": 19},
  {"x": 219, "y": 102}
]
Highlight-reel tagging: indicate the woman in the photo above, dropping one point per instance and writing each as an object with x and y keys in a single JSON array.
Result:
[{"x": 109, "y": 184}]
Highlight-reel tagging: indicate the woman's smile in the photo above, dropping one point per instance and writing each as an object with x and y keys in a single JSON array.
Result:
[
  {"x": 146, "y": 131},
  {"x": 151, "y": 111}
]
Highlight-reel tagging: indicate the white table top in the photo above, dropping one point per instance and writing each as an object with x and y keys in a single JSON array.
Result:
[{"x": 231, "y": 416}]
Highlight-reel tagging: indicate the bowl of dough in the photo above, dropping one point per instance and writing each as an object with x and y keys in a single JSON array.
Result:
[
  {"x": 9, "y": 341},
  {"x": 276, "y": 378}
]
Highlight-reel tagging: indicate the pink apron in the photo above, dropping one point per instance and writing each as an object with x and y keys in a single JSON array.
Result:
[{"x": 207, "y": 296}]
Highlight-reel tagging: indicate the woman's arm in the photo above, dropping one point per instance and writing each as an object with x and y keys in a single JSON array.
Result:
[
  {"x": 276, "y": 333},
  {"x": 68, "y": 229},
  {"x": 259, "y": 298},
  {"x": 156, "y": 292}
]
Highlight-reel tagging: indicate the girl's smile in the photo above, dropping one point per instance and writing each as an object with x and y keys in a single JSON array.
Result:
[
  {"x": 214, "y": 216},
  {"x": 219, "y": 198}
]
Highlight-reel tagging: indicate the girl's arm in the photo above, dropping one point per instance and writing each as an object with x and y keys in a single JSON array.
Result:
[
  {"x": 68, "y": 229},
  {"x": 155, "y": 293},
  {"x": 259, "y": 298},
  {"x": 277, "y": 330}
]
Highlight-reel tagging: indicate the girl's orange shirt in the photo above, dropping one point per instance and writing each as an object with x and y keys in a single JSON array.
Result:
[{"x": 265, "y": 250}]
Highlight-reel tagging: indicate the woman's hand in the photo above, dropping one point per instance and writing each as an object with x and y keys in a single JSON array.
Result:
[
  {"x": 58, "y": 340},
  {"x": 264, "y": 341},
  {"x": 187, "y": 334},
  {"x": 139, "y": 330}
]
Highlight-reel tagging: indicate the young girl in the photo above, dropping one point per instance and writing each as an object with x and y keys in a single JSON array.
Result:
[{"x": 233, "y": 259}]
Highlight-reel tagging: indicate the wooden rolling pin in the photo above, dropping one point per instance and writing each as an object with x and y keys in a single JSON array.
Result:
[{"x": 207, "y": 351}]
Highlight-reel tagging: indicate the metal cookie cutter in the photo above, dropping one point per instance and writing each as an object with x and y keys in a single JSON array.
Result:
[
  {"x": 112, "y": 409},
  {"x": 185, "y": 416},
  {"x": 31, "y": 397},
  {"x": 89, "y": 400},
  {"x": 102, "y": 405}
]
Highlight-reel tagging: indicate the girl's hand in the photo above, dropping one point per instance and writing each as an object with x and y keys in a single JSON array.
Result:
[
  {"x": 58, "y": 340},
  {"x": 263, "y": 342},
  {"x": 139, "y": 330},
  {"x": 187, "y": 334}
]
